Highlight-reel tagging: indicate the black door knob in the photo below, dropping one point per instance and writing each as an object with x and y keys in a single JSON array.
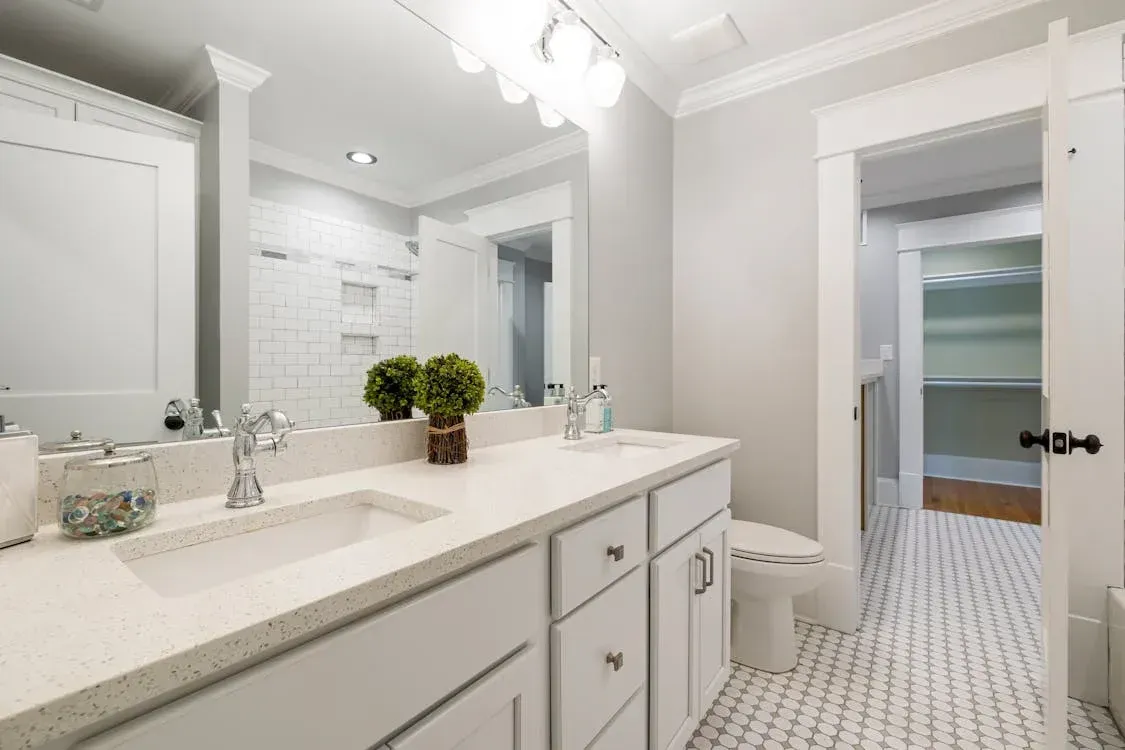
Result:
[
  {"x": 1028, "y": 439},
  {"x": 1091, "y": 443}
]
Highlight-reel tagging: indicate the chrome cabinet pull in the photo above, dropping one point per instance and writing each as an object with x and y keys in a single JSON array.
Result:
[
  {"x": 617, "y": 553},
  {"x": 617, "y": 660},
  {"x": 709, "y": 571},
  {"x": 700, "y": 557}
]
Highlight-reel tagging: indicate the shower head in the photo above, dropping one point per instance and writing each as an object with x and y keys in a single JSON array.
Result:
[{"x": 412, "y": 246}]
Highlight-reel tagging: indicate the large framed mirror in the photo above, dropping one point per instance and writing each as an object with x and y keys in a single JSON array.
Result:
[{"x": 393, "y": 196}]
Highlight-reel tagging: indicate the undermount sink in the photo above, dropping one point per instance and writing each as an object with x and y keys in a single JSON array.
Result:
[
  {"x": 187, "y": 561},
  {"x": 621, "y": 446}
]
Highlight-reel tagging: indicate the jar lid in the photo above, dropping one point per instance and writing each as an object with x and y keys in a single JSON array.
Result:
[
  {"x": 76, "y": 444},
  {"x": 110, "y": 458}
]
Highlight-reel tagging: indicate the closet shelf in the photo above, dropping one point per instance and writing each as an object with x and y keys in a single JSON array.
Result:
[
  {"x": 996, "y": 277},
  {"x": 957, "y": 381}
]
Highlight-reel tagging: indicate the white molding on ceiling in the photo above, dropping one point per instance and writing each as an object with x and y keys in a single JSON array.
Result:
[
  {"x": 321, "y": 172},
  {"x": 1003, "y": 178},
  {"x": 509, "y": 166},
  {"x": 933, "y": 20},
  {"x": 560, "y": 148},
  {"x": 211, "y": 67}
]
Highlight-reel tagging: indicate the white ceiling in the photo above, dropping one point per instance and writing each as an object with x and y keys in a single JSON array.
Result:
[
  {"x": 346, "y": 75},
  {"x": 994, "y": 158},
  {"x": 771, "y": 28}
]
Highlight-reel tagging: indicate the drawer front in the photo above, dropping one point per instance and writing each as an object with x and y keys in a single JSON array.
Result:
[
  {"x": 627, "y": 730},
  {"x": 587, "y": 689},
  {"x": 585, "y": 558},
  {"x": 358, "y": 685},
  {"x": 678, "y": 507}
]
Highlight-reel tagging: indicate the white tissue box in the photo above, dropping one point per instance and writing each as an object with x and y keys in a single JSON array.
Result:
[{"x": 19, "y": 487}]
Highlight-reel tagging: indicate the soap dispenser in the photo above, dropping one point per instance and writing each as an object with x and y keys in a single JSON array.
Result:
[{"x": 19, "y": 484}]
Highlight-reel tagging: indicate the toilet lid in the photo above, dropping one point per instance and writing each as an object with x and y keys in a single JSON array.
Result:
[{"x": 756, "y": 541}]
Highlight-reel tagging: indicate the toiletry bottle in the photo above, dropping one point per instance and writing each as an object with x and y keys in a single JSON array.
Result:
[
  {"x": 607, "y": 410},
  {"x": 595, "y": 419}
]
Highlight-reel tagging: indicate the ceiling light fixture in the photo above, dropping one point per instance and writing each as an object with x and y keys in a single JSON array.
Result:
[
  {"x": 570, "y": 45},
  {"x": 606, "y": 79},
  {"x": 549, "y": 116},
  {"x": 512, "y": 93},
  {"x": 466, "y": 60},
  {"x": 361, "y": 157},
  {"x": 524, "y": 19}
]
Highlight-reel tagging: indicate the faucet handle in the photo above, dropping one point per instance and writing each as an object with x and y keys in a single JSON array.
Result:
[
  {"x": 217, "y": 416},
  {"x": 246, "y": 410}
]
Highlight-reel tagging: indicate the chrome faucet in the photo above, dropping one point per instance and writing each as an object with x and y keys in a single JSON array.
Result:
[
  {"x": 246, "y": 491},
  {"x": 517, "y": 397},
  {"x": 193, "y": 423},
  {"x": 576, "y": 410}
]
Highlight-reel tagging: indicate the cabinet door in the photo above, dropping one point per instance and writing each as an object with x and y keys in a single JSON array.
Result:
[
  {"x": 504, "y": 710},
  {"x": 97, "y": 116},
  {"x": 24, "y": 98},
  {"x": 714, "y": 611},
  {"x": 675, "y": 583}
]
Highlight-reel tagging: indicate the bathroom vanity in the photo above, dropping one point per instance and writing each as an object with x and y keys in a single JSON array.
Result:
[{"x": 549, "y": 594}]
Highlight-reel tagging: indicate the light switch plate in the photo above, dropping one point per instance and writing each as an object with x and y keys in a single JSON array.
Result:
[
  {"x": 887, "y": 352},
  {"x": 595, "y": 371}
]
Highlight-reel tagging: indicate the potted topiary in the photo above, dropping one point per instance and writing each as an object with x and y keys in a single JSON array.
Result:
[
  {"x": 449, "y": 387},
  {"x": 391, "y": 387}
]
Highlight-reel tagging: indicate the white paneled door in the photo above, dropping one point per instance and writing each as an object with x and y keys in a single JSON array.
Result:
[
  {"x": 458, "y": 297},
  {"x": 97, "y": 306}
]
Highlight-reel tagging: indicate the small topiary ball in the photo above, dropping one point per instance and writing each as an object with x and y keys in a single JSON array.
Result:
[
  {"x": 391, "y": 386},
  {"x": 449, "y": 386}
]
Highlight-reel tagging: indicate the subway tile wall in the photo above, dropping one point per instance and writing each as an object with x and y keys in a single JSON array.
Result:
[{"x": 328, "y": 298}]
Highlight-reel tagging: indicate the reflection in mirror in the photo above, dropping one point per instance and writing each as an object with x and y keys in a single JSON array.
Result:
[{"x": 396, "y": 204}]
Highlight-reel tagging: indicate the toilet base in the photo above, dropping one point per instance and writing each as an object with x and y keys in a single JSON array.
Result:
[{"x": 763, "y": 634}]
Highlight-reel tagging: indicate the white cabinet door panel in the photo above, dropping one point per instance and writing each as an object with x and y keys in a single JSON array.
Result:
[
  {"x": 714, "y": 611},
  {"x": 627, "y": 730},
  {"x": 97, "y": 316},
  {"x": 504, "y": 710},
  {"x": 675, "y": 578},
  {"x": 31, "y": 100}
]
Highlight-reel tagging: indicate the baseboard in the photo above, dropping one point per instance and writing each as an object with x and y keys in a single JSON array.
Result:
[
  {"x": 1088, "y": 660},
  {"x": 910, "y": 491},
  {"x": 886, "y": 492},
  {"x": 990, "y": 470},
  {"x": 837, "y": 599}
]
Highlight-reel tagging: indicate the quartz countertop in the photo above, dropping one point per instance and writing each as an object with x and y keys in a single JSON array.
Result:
[{"x": 82, "y": 639}]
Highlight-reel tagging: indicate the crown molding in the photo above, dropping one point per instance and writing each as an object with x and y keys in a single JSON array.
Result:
[
  {"x": 211, "y": 67},
  {"x": 321, "y": 172},
  {"x": 933, "y": 20},
  {"x": 560, "y": 148}
]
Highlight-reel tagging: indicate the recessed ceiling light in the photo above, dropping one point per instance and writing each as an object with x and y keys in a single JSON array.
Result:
[{"x": 361, "y": 157}]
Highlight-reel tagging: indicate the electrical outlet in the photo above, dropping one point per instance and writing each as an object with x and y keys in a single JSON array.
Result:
[
  {"x": 887, "y": 352},
  {"x": 595, "y": 371}
]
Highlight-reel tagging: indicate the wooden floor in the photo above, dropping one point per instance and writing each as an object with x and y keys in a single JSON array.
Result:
[{"x": 1001, "y": 501}]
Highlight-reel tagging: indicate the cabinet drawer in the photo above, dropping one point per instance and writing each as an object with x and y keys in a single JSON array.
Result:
[
  {"x": 677, "y": 508},
  {"x": 587, "y": 689},
  {"x": 584, "y": 557},
  {"x": 357, "y": 685},
  {"x": 627, "y": 730}
]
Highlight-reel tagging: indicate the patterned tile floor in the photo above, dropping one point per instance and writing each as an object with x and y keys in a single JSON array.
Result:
[{"x": 947, "y": 655}]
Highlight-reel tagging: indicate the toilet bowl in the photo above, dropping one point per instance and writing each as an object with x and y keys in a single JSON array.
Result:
[{"x": 769, "y": 566}]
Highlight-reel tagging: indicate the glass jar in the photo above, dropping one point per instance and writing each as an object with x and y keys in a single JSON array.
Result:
[{"x": 112, "y": 493}]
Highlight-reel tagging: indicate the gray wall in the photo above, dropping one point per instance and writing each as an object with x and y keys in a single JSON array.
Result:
[
  {"x": 279, "y": 186},
  {"x": 745, "y": 257},
  {"x": 536, "y": 274},
  {"x": 878, "y": 291}
]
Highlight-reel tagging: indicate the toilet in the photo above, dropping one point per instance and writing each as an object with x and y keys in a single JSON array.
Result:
[{"x": 769, "y": 566}]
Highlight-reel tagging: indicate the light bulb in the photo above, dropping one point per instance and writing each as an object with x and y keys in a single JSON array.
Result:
[
  {"x": 605, "y": 81},
  {"x": 466, "y": 60},
  {"x": 524, "y": 19},
  {"x": 548, "y": 115},
  {"x": 570, "y": 45},
  {"x": 512, "y": 93}
]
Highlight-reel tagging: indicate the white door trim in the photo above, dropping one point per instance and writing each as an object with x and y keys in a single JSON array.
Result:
[{"x": 943, "y": 106}]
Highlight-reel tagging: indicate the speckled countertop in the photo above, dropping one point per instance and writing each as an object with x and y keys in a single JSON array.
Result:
[{"x": 82, "y": 638}]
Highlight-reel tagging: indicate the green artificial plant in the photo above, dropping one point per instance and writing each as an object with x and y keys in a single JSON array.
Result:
[
  {"x": 391, "y": 387},
  {"x": 449, "y": 387}
]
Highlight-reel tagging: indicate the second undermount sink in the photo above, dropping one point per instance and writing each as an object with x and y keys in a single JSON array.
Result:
[
  {"x": 188, "y": 561},
  {"x": 621, "y": 446}
]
